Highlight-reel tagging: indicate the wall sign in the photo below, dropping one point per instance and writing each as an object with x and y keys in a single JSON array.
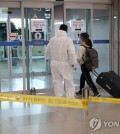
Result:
[
  {"x": 13, "y": 36},
  {"x": 38, "y": 36},
  {"x": 38, "y": 25},
  {"x": 78, "y": 25}
]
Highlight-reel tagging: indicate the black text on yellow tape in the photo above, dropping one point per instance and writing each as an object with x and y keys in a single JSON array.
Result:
[
  {"x": 45, "y": 100},
  {"x": 104, "y": 100}
]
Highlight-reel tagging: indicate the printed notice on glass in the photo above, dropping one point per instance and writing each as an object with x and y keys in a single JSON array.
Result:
[
  {"x": 38, "y": 25},
  {"x": 78, "y": 25}
]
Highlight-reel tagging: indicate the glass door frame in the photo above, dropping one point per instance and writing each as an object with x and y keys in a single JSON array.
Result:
[{"x": 33, "y": 5}]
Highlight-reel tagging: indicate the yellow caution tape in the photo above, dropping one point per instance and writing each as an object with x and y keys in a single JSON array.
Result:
[
  {"x": 45, "y": 100},
  {"x": 105, "y": 100},
  {"x": 55, "y": 101}
]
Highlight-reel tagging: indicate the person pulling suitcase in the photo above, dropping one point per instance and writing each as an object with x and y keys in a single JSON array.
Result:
[{"x": 88, "y": 59}]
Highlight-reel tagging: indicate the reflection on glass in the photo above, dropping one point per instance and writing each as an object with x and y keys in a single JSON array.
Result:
[
  {"x": 10, "y": 58},
  {"x": 3, "y": 37},
  {"x": 81, "y": 19},
  {"x": 38, "y": 23},
  {"x": 38, "y": 27},
  {"x": 101, "y": 37}
]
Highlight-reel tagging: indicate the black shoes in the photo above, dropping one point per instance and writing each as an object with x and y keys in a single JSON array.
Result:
[
  {"x": 97, "y": 95},
  {"x": 79, "y": 94}
]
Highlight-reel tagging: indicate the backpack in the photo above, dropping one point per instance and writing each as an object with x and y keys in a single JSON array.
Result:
[{"x": 91, "y": 59}]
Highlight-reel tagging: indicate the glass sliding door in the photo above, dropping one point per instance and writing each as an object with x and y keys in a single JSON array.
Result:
[
  {"x": 39, "y": 18},
  {"x": 78, "y": 20},
  {"x": 10, "y": 52},
  {"x": 16, "y": 50},
  {"x": 10, "y": 63},
  {"x": 94, "y": 20},
  {"x": 38, "y": 31},
  {"x": 101, "y": 34},
  {"x": 4, "y": 68}
]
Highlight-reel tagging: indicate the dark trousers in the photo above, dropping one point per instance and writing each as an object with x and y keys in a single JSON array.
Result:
[{"x": 85, "y": 76}]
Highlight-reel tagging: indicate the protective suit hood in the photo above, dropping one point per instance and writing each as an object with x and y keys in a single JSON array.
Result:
[{"x": 61, "y": 33}]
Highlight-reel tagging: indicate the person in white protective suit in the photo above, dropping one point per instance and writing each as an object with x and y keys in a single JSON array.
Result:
[{"x": 61, "y": 52}]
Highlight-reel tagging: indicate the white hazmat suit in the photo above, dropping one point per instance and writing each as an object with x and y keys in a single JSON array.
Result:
[{"x": 61, "y": 52}]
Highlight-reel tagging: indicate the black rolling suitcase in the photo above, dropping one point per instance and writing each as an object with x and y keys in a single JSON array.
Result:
[{"x": 110, "y": 81}]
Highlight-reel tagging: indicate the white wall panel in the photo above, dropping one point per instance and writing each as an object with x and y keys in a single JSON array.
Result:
[{"x": 10, "y": 4}]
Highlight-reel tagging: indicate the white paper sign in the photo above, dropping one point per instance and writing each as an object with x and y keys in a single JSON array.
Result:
[
  {"x": 38, "y": 25},
  {"x": 78, "y": 25}
]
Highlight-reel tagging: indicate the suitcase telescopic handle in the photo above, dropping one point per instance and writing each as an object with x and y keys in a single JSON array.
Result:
[
  {"x": 95, "y": 73},
  {"x": 108, "y": 87}
]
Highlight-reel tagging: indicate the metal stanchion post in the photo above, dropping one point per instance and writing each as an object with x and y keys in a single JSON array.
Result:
[
  {"x": 85, "y": 112},
  {"x": 0, "y": 82},
  {"x": 33, "y": 91}
]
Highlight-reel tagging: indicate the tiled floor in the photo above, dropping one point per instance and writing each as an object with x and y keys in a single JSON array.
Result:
[
  {"x": 15, "y": 84},
  {"x": 38, "y": 82},
  {"x": 18, "y": 118}
]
